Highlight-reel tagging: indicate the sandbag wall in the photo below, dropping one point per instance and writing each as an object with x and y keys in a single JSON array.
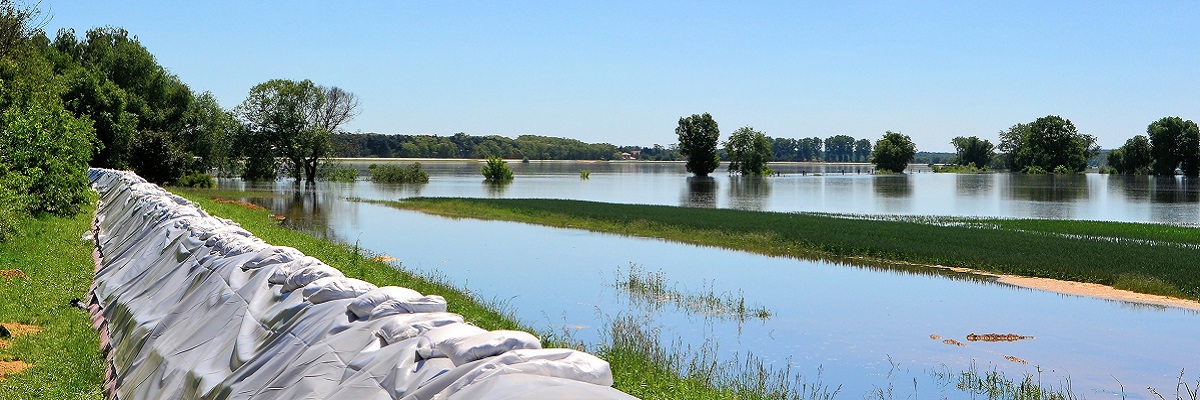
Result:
[{"x": 194, "y": 306}]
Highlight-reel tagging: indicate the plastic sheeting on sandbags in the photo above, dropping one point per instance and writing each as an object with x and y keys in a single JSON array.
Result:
[{"x": 193, "y": 306}]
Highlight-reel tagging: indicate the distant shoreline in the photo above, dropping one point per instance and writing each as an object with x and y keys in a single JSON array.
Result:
[{"x": 364, "y": 159}]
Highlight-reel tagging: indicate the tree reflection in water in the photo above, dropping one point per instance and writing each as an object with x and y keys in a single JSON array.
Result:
[
  {"x": 749, "y": 192},
  {"x": 701, "y": 192}
]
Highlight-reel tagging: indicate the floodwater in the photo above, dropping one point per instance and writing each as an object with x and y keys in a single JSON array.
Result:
[{"x": 863, "y": 327}]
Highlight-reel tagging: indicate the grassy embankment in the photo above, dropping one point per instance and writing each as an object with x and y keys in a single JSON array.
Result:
[
  {"x": 56, "y": 267},
  {"x": 641, "y": 366},
  {"x": 1147, "y": 258}
]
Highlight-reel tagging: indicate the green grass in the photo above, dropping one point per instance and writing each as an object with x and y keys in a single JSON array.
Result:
[
  {"x": 66, "y": 356},
  {"x": 652, "y": 291},
  {"x": 1158, "y": 259}
]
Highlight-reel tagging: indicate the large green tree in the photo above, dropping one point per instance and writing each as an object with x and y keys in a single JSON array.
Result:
[
  {"x": 893, "y": 152},
  {"x": 862, "y": 150},
  {"x": 973, "y": 151},
  {"x": 207, "y": 134},
  {"x": 839, "y": 148},
  {"x": 1135, "y": 157},
  {"x": 295, "y": 119},
  {"x": 280, "y": 114},
  {"x": 1175, "y": 143},
  {"x": 1050, "y": 143},
  {"x": 698, "y": 137},
  {"x": 44, "y": 148},
  {"x": 749, "y": 150}
]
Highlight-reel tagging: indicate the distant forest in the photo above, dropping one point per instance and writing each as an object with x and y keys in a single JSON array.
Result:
[{"x": 839, "y": 148}]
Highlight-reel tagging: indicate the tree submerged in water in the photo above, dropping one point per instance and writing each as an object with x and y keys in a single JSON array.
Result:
[
  {"x": 392, "y": 173},
  {"x": 496, "y": 170}
]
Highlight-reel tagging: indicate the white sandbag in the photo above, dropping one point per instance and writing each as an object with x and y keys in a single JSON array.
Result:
[
  {"x": 304, "y": 276},
  {"x": 557, "y": 363},
  {"x": 335, "y": 288},
  {"x": 273, "y": 255},
  {"x": 465, "y": 349},
  {"x": 280, "y": 271},
  {"x": 428, "y": 343},
  {"x": 362, "y": 306},
  {"x": 424, "y": 304},
  {"x": 400, "y": 327}
]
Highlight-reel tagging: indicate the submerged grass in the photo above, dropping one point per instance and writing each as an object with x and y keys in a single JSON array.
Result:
[
  {"x": 1151, "y": 258},
  {"x": 672, "y": 372},
  {"x": 652, "y": 289},
  {"x": 56, "y": 267}
]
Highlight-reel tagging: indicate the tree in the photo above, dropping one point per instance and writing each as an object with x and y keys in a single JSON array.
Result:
[
  {"x": 893, "y": 152},
  {"x": 89, "y": 94},
  {"x": 749, "y": 150},
  {"x": 1050, "y": 143},
  {"x": 698, "y": 136},
  {"x": 156, "y": 158},
  {"x": 284, "y": 115},
  {"x": 1135, "y": 157},
  {"x": 207, "y": 133},
  {"x": 839, "y": 148},
  {"x": 973, "y": 151},
  {"x": 862, "y": 150},
  {"x": 17, "y": 25},
  {"x": 1175, "y": 143}
]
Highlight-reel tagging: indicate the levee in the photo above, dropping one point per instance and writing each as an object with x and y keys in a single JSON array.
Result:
[{"x": 192, "y": 306}]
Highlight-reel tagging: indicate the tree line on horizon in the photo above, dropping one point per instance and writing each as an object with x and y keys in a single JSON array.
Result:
[{"x": 837, "y": 148}]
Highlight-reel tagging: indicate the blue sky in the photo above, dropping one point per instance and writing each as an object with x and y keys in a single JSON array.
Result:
[{"x": 624, "y": 72}]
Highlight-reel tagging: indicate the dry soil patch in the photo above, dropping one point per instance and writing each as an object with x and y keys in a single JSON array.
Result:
[
  {"x": 15, "y": 330},
  {"x": 9, "y": 274}
]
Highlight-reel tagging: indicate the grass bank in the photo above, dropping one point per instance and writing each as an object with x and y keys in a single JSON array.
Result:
[
  {"x": 1147, "y": 258},
  {"x": 62, "y": 352}
]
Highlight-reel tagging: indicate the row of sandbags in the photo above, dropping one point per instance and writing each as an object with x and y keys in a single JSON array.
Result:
[{"x": 194, "y": 306}]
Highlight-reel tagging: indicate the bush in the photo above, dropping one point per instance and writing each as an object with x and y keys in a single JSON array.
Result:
[
  {"x": 393, "y": 173},
  {"x": 48, "y": 148},
  {"x": 1034, "y": 170},
  {"x": 196, "y": 180},
  {"x": 496, "y": 170},
  {"x": 337, "y": 172}
]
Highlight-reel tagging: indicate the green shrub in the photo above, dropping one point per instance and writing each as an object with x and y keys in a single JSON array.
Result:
[
  {"x": 1062, "y": 170},
  {"x": 496, "y": 170},
  {"x": 49, "y": 149},
  {"x": 14, "y": 202},
  {"x": 585, "y": 174},
  {"x": 959, "y": 169},
  {"x": 196, "y": 180},
  {"x": 393, "y": 173},
  {"x": 337, "y": 172},
  {"x": 1034, "y": 170}
]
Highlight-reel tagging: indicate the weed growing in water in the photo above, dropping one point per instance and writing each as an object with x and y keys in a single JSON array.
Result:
[
  {"x": 651, "y": 289},
  {"x": 1182, "y": 389},
  {"x": 678, "y": 371}
]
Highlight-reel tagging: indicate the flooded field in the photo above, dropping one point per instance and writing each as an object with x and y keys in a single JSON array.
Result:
[{"x": 870, "y": 328}]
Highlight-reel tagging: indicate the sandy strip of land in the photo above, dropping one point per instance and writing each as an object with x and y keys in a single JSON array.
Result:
[
  {"x": 1096, "y": 290},
  {"x": 1086, "y": 289}
]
